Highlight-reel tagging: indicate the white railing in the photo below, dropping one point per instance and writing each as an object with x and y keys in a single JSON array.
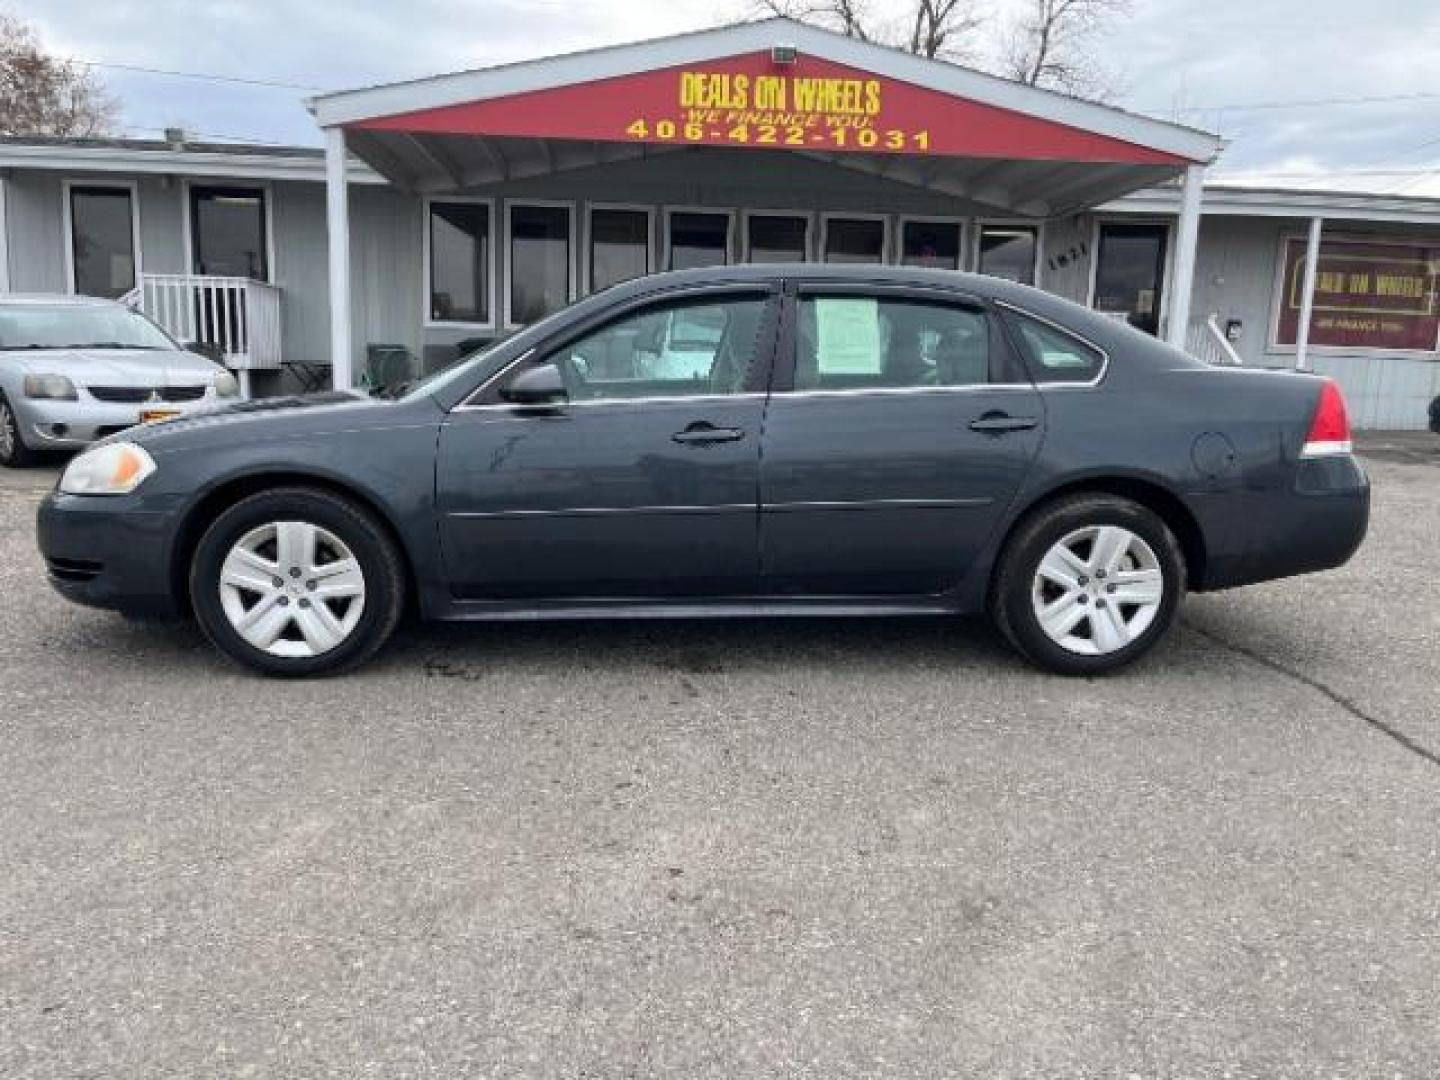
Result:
[
  {"x": 235, "y": 315},
  {"x": 1205, "y": 340}
]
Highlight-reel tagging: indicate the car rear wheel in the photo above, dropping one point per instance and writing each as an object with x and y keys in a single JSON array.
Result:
[
  {"x": 1088, "y": 584},
  {"x": 297, "y": 581},
  {"x": 14, "y": 454}
]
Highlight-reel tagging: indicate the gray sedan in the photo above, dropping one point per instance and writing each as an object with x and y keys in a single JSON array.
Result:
[
  {"x": 857, "y": 440},
  {"x": 75, "y": 369}
]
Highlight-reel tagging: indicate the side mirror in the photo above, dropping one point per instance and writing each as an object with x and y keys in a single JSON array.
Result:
[{"x": 541, "y": 385}]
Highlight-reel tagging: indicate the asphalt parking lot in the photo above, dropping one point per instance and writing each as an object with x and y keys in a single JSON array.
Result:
[{"x": 804, "y": 849}]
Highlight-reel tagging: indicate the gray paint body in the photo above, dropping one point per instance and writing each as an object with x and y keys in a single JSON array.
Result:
[{"x": 630, "y": 522}]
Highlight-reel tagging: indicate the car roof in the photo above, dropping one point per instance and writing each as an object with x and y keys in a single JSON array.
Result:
[{"x": 53, "y": 300}]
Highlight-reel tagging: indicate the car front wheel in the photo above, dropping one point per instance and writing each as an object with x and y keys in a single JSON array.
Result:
[
  {"x": 14, "y": 454},
  {"x": 297, "y": 581},
  {"x": 1088, "y": 584}
]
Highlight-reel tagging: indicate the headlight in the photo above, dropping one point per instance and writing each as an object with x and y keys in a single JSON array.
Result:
[
  {"x": 226, "y": 385},
  {"x": 55, "y": 387},
  {"x": 114, "y": 469}
]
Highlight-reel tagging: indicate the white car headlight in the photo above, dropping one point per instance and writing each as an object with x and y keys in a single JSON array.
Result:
[
  {"x": 226, "y": 385},
  {"x": 53, "y": 387},
  {"x": 114, "y": 469}
]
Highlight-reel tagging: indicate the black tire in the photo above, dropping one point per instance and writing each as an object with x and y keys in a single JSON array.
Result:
[
  {"x": 14, "y": 454},
  {"x": 1011, "y": 605},
  {"x": 379, "y": 559}
]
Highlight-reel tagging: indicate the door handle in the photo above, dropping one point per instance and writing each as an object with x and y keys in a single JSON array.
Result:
[
  {"x": 703, "y": 432},
  {"x": 997, "y": 423}
]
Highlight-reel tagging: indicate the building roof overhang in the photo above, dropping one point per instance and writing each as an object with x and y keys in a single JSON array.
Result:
[{"x": 994, "y": 142}]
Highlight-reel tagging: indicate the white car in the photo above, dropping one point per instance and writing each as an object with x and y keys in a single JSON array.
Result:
[{"x": 74, "y": 369}]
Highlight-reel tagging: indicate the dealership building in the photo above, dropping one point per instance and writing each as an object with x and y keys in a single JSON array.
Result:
[{"x": 447, "y": 212}]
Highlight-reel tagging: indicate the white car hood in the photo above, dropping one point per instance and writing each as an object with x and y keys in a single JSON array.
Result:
[{"x": 117, "y": 367}]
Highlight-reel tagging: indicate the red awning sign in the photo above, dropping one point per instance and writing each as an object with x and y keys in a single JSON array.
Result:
[{"x": 749, "y": 101}]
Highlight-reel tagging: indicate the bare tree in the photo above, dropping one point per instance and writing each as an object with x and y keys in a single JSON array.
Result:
[
  {"x": 1049, "y": 44},
  {"x": 935, "y": 28},
  {"x": 1053, "y": 45},
  {"x": 45, "y": 95}
]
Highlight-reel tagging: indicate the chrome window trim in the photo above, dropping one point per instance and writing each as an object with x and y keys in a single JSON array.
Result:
[
  {"x": 655, "y": 400},
  {"x": 1067, "y": 332},
  {"x": 892, "y": 391}
]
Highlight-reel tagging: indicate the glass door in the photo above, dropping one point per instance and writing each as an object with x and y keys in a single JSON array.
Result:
[{"x": 1130, "y": 272}]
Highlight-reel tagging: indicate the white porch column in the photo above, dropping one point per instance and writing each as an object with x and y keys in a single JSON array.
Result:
[
  {"x": 337, "y": 222},
  {"x": 1187, "y": 237},
  {"x": 1307, "y": 296}
]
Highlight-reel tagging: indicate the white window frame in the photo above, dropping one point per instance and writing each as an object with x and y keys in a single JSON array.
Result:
[
  {"x": 1163, "y": 319},
  {"x": 728, "y": 212},
  {"x": 1272, "y": 343},
  {"x": 807, "y": 216},
  {"x": 887, "y": 239},
  {"x": 1014, "y": 225},
  {"x": 586, "y": 269},
  {"x": 571, "y": 238},
  {"x": 187, "y": 224},
  {"x": 931, "y": 219},
  {"x": 68, "y": 222},
  {"x": 427, "y": 321}
]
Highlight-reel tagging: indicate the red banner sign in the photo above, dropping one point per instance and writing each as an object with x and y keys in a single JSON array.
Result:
[
  {"x": 749, "y": 101},
  {"x": 1368, "y": 295}
]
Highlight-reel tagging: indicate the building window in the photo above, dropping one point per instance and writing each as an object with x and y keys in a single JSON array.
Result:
[
  {"x": 698, "y": 239},
  {"x": 776, "y": 238},
  {"x": 460, "y": 262},
  {"x": 1008, "y": 252},
  {"x": 102, "y": 241},
  {"x": 854, "y": 240},
  {"x": 930, "y": 243},
  {"x": 619, "y": 246},
  {"x": 228, "y": 232},
  {"x": 539, "y": 261}
]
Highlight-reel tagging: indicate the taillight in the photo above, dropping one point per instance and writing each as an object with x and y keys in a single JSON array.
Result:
[{"x": 1330, "y": 429}]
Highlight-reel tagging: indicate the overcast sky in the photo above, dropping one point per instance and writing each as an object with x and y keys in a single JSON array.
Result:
[{"x": 1191, "y": 55}]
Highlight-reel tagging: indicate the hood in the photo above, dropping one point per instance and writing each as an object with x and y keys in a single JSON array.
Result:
[
  {"x": 262, "y": 417},
  {"x": 117, "y": 367}
]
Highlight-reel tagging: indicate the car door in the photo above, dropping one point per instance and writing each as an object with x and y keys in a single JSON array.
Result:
[
  {"x": 899, "y": 429},
  {"x": 641, "y": 483}
]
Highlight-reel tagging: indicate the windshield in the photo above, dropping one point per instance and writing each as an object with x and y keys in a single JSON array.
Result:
[{"x": 76, "y": 326}]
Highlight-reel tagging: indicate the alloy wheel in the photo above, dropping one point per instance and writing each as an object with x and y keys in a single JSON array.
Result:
[
  {"x": 1097, "y": 590},
  {"x": 292, "y": 588}
]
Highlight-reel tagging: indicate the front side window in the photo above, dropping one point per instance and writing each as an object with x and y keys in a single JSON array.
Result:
[
  {"x": 698, "y": 239},
  {"x": 931, "y": 243},
  {"x": 1054, "y": 355},
  {"x": 459, "y": 262},
  {"x": 102, "y": 239},
  {"x": 866, "y": 342},
  {"x": 854, "y": 240},
  {"x": 539, "y": 262},
  {"x": 699, "y": 347},
  {"x": 619, "y": 246},
  {"x": 771, "y": 238}
]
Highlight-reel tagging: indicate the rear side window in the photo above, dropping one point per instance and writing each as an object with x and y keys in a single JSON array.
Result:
[
  {"x": 1054, "y": 355},
  {"x": 865, "y": 342}
]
